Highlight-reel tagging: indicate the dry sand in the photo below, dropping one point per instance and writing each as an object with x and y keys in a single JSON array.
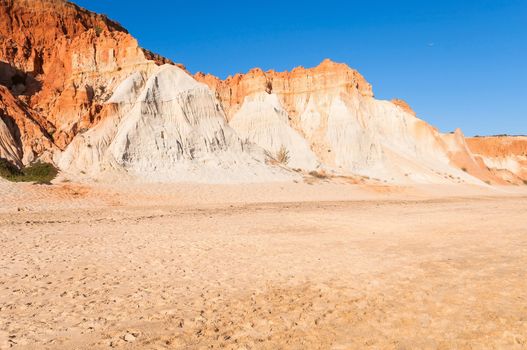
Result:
[{"x": 278, "y": 266}]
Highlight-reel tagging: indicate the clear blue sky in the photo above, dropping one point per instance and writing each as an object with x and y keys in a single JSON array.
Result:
[{"x": 459, "y": 63}]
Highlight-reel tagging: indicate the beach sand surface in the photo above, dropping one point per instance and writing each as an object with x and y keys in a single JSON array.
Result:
[{"x": 324, "y": 265}]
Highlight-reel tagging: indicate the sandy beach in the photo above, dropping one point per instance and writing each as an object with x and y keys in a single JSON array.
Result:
[
  {"x": 246, "y": 176},
  {"x": 86, "y": 268}
]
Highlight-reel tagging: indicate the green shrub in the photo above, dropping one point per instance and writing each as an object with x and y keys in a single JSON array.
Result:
[
  {"x": 98, "y": 30},
  {"x": 7, "y": 169},
  {"x": 41, "y": 173}
]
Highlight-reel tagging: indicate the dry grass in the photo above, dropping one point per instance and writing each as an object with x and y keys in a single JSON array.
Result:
[
  {"x": 282, "y": 156},
  {"x": 318, "y": 174}
]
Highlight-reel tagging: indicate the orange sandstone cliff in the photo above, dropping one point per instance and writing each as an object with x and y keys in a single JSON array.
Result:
[
  {"x": 328, "y": 77},
  {"x": 60, "y": 63},
  {"x": 506, "y": 155}
]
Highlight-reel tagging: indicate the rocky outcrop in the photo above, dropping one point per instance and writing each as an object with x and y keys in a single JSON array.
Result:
[
  {"x": 504, "y": 155},
  {"x": 166, "y": 127},
  {"x": 327, "y": 77},
  {"x": 499, "y": 146},
  {"x": 342, "y": 127},
  {"x": 324, "y": 117},
  {"x": 23, "y": 132},
  {"x": 403, "y": 105},
  {"x": 63, "y": 62}
]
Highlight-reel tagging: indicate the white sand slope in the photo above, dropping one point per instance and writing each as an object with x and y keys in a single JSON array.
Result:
[
  {"x": 167, "y": 127},
  {"x": 350, "y": 133},
  {"x": 361, "y": 135},
  {"x": 378, "y": 139},
  {"x": 262, "y": 120}
]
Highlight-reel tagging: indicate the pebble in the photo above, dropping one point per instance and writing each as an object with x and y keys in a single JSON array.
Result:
[{"x": 129, "y": 337}]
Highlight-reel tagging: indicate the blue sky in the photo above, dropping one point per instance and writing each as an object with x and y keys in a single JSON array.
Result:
[{"x": 458, "y": 63}]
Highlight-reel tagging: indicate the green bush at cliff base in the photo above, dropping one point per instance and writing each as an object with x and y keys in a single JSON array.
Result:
[{"x": 41, "y": 173}]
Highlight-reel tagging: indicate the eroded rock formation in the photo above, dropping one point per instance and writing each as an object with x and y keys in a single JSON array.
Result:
[
  {"x": 76, "y": 88},
  {"x": 333, "y": 109},
  {"x": 62, "y": 63},
  {"x": 505, "y": 155},
  {"x": 166, "y": 126}
]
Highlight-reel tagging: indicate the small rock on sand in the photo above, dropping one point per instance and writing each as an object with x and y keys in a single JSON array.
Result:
[{"x": 129, "y": 337}]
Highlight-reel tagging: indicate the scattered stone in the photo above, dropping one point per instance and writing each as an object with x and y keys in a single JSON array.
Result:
[{"x": 129, "y": 338}]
